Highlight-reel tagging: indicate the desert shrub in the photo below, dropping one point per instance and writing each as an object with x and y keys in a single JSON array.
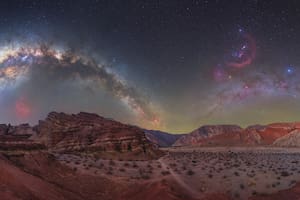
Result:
[
  {"x": 242, "y": 186},
  {"x": 236, "y": 195},
  {"x": 236, "y": 173},
  {"x": 284, "y": 173},
  {"x": 134, "y": 165},
  {"x": 111, "y": 162},
  {"x": 129, "y": 147},
  {"x": 122, "y": 170},
  {"x": 77, "y": 162},
  {"x": 165, "y": 173},
  {"x": 109, "y": 172},
  {"x": 145, "y": 176},
  {"x": 190, "y": 172}
]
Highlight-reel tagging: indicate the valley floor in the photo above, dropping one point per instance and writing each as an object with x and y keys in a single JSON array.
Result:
[{"x": 182, "y": 173}]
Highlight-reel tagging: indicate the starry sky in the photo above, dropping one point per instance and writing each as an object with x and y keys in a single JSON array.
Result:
[{"x": 172, "y": 65}]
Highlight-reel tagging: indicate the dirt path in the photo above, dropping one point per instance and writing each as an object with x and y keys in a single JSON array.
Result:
[{"x": 194, "y": 193}]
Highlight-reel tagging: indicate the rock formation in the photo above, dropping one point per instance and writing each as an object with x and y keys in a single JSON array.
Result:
[
  {"x": 85, "y": 132},
  {"x": 232, "y": 135},
  {"x": 204, "y": 133},
  {"x": 18, "y": 138},
  {"x": 290, "y": 140},
  {"x": 82, "y": 132}
]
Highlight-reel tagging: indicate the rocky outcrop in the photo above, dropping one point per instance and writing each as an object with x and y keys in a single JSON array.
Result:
[
  {"x": 207, "y": 134},
  {"x": 91, "y": 133},
  {"x": 82, "y": 132},
  {"x": 290, "y": 140},
  {"x": 18, "y": 138},
  {"x": 162, "y": 139},
  {"x": 274, "y": 131}
]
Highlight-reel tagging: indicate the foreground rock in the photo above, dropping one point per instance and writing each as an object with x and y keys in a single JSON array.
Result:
[
  {"x": 76, "y": 133},
  {"x": 90, "y": 133}
]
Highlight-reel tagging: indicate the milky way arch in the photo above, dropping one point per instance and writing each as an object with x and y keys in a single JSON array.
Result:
[{"x": 19, "y": 63}]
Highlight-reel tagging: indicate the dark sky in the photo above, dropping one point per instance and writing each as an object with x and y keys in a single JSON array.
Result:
[{"x": 163, "y": 64}]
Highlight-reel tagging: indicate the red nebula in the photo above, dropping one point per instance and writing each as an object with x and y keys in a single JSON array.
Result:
[
  {"x": 22, "y": 108},
  {"x": 247, "y": 57}
]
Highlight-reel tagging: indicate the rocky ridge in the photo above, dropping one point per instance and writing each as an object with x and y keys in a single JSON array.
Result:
[
  {"x": 91, "y": 133},
  {"x": 232, "y": 135},
  {"x": 82, "y": 132}
]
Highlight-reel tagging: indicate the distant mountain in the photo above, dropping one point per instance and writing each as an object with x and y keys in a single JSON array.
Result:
[
  {"x": 162, "y": 139},
  {"x": 233, "y": 135},
  {"x": 206, "y": 135}
]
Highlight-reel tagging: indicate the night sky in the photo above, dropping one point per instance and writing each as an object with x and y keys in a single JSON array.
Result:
[{"x": 171, "y": 65}]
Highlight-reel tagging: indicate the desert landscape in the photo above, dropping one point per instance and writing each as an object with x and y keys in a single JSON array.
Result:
[
  {"x": 149, "y": 100},
  {"x": 85, "y": 156}
]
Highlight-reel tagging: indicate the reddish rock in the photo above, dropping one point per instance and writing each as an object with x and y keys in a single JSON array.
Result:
[
  {"x": 211, "y": 135},
  {"x": 231, "y": 135},
  {"x": 274, "y": 131},
  {"x": 92, "y": 133},
  {"x": 18, "y": 138}
]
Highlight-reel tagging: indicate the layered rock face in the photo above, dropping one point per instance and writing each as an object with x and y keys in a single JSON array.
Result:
[
  {"x": 83, "y": 132},
  {"x": 90, "y": 133},
  {"x": 18, "y": 138}
]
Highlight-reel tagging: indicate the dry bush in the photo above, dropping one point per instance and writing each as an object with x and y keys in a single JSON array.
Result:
[
  {"x": 190, "y": 172},
  {"x": 122, "y": 170},
  {"x": 112, "y": 163},
  {"x": 164, "y": 173}
]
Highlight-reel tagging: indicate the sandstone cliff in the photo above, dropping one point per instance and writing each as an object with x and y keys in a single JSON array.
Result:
[{"x": 85, "y": 132}]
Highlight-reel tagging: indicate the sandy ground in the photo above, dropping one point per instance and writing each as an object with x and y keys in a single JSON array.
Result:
[{"x": 237, "y": 172}]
